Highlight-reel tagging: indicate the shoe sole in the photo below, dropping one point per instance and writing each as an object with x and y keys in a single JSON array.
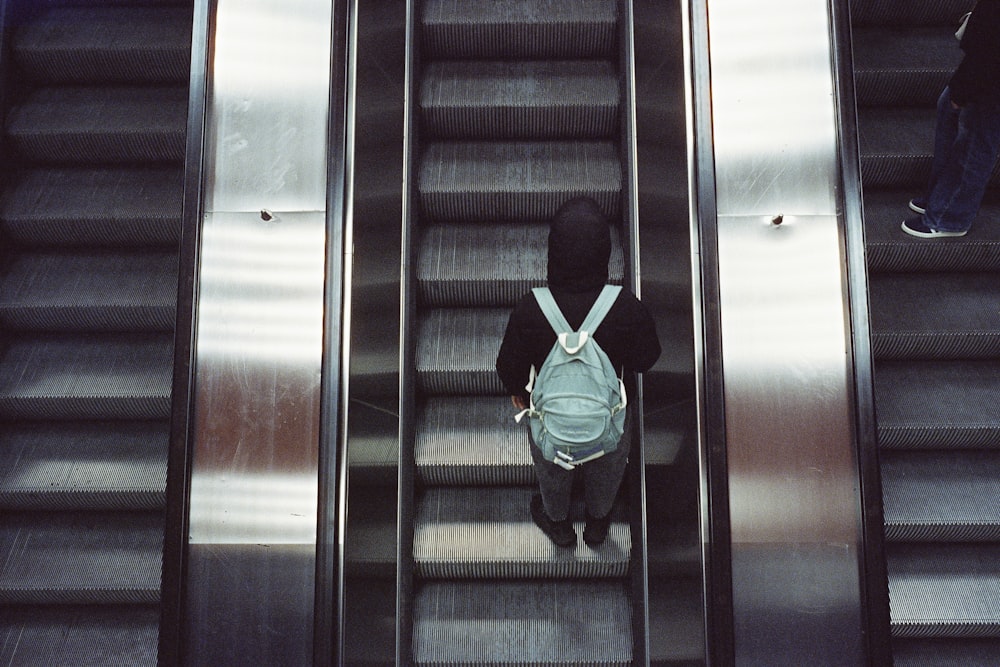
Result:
[
  {"x": 930, "y": 235},
  {"x": 916, "y": 209}
]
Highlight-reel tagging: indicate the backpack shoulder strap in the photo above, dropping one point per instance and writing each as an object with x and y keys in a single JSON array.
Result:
[
  {"x": 600, "y": 308},
  {"x": 551, "y": 310}
]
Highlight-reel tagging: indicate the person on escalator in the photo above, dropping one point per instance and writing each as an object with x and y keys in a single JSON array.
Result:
[
  {"x": 967, "y": 133},
  {"x": 579, "y": 249}
]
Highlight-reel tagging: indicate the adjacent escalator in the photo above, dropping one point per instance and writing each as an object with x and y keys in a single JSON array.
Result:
[
  {"x": 94, "y": 134},
  {"x": 519, "y": 110},
  {"x": 935, "y": 312}
]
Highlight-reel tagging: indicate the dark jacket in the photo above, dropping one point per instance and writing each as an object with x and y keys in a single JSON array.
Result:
[
  {"x": 977, "y": 78},
  {"x": 578, "y": 254}
]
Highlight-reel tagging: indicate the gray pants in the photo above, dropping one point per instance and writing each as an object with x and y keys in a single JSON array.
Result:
[{"x": 601, "y": 479}]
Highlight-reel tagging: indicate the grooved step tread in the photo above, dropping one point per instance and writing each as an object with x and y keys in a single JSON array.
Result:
[
  {"x": 938, "y": 404},
  {"x": 935, "y": 315},
  {"x": 487, "y": 533},
  {"x": 523, "y": 623},
  {"x": 87, "y": 377},
  {"x": 944, "y": 591},
  {"x": 93, "y": 206},
  {"x": 510, "y": 259},
  {"x": 903, "y": 66},
  {"x": 83, "y": 465},
  {"x": 941, "y": 496},
  {"x": 90, "y": 291},
  {"x": 81, "y": 558},
  {"x": 457, "y": 350},
  {"x": 105, "y": 45}
]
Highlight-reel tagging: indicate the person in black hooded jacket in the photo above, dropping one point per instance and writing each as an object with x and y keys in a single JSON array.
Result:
[{"x": 578, "y": 254}]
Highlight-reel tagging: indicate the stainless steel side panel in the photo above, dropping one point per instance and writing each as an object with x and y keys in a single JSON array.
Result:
[
  {"x": 786, "y": 339},
  {"x": 251, "y": 579}
]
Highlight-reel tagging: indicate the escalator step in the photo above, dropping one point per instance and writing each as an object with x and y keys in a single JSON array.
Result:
[
  {"x": 918, "y": 12},
  {"x": 100, "y": 125},
  {"x": 903, "y": 66},
  {"x": 457, "y": 350},
  {"x": 489, "y": 534},
  {"x": 938, "y": 652},
  {"x": 85, "y": 635},
  {"x": 471, "y": 440},
  {"x": 960, "y": 321},
  {"x": 81, "y": 558},
  {"x": 107, "y": 207},
  {"x": 520, "y": 100},
  {"x": 509, "y": 260},
  {"x": 938, "y": 404},
  {"x": 523, "y": 623},
  {"x": 889, "y": 249},
  {"x": 105, "y": 45},
  {"x": 941, "y": 496},
  {"x": 896, "y": 146},
  {"x": 521, "y": 28},
  {"x": 83, "y": 465},
  {"x": 94, "y": 291},
  {"x": 944, "y": 591},
  {"x": 87, "y": 377},
  {"x": 475, "y": 181}
]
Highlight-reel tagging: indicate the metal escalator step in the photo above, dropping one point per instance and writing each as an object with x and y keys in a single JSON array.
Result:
[
  {"x": 105, "y": 45},
  {"x": 487, "y": 533},
  {"x": 83, "y": 465},
  {"x": 520, "y": 100},
  {"x": 889, "y": 249},
  {"x": 476, "y": 181},
  {"x": 81, "y": 558},
  {"x": 519, "y": 28},
  {"x": 903, "y": 66},
  {"x": 896, "y": 146},
  {"x": 100, "y": 125},
  {"x": 471, "y": 440},
  {"x": 457, "y": 350},
  {"x": 945, "y": 496},
  {"x": 945, "y": 590},
  {"x": 506, "y": 262},
  {"x": 938, "y": 404},
  {"x": 943, "y": 13},
  {"x": 82, "y": 635},
  {"x": 107, "y": 207},
  {"x": 92, "y": 291},
  {"x": 87, "y": 376},
  {"x": 938, "y": 652},
  {"x": 523, "y": 623},
  {"x": 961, "y": 320}
]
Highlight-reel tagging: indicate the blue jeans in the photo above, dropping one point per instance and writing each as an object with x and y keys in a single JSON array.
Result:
[{"x": 966, "y": 142}]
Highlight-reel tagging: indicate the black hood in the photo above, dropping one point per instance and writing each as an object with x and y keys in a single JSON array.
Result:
[{"x": 579, "y": 246}]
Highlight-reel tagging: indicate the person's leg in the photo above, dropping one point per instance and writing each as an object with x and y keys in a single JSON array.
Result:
[
  {"x": 959, "y": 188},
  {"x": 550, "y": 509},
  {"x": 945, "y": 131},
  {"x": 602, "y": 479}
]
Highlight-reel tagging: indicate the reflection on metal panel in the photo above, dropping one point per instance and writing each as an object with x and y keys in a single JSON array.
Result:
[
  {"x": 795, "y": 510},
  {"x": 251, "y": 580}
]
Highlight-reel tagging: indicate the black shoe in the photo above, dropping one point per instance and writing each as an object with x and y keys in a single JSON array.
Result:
[
  {"x": 917, "y": 227},
  {"x": 560, "y": 532},
  {"x": 918, "y": 206},
  {"x": 596, "y": 530}
]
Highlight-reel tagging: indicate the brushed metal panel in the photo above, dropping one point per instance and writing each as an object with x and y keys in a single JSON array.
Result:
[{"x": 258, "y": 346}]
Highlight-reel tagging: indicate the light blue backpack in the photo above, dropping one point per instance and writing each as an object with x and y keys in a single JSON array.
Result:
[{"x": 577, "y": 407}]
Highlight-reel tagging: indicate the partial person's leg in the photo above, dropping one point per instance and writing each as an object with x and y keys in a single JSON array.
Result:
[
  {"x": 550, "y": 508},
  {"x": 602, "y": 479}
]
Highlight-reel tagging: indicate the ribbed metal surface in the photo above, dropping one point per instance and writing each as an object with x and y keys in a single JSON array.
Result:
[
  {"x": 105, "y": 207},
  {"x": 945, "y": 404},
  {"x": 516, "y": 181},
  {"x": 940, "y": 652},
  {"x": 944, "y": 591},
  {"x": 903, "y": 68},
  {"x": 87, "y": 377},
  {"x": 98, "y": 44},
  {"x": 471, "y": 441},
  {"x": 523, "y": 623},
  {"x": 457, "y": 351},
  {"x": 941, "y": 496},
  {"x": 528, "y": 28},
  {"x": 90, "y": 291},
  {"x": 125, "y": 635},
  {"x": 488, "y": 533},
  {"x": 500, "y": 99},
  {"x": 925, "y": 12},
  {"x": 83, "y": 465},
  {"x": 104, "y": 125},
  {"x": 116, "y": 558},
  {"x": 509, "y": 259}
]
